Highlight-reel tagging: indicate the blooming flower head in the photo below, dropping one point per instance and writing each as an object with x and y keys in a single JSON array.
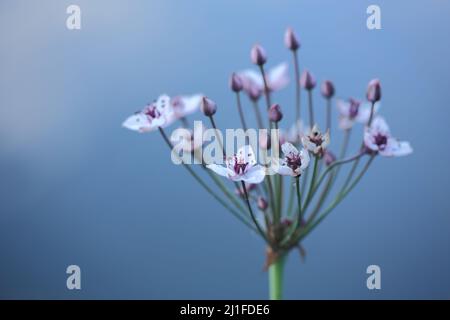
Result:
[
  {"x": 241, "y": 167},
  {"x": 353, "y": 111},
  {"x": 294, "y": 162},
  {"x": 315, "y": 141},
  {"x": 185, "y": 105},
  {"x": 378, "y": 139},
  {"x": 156, "y": 114},
  {"x": 277, "y": 78}
]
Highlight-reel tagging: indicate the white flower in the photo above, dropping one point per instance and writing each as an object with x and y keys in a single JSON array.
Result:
[
  {"x": 241, "y": 167},
  {"x": 294, "y": 162},
  {"x": 157, "y": 114},
  {"x": 353, "y": 111},
  {"x": 378, "y": 138},
  {"x": 315, "y": 141},
  {"x": 185, "y": 105},
  {"x": 277, "y": 78}
]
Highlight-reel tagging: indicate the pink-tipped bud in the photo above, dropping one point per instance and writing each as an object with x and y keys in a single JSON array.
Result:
[
  {"x": 329, "y": 158},
  {"x": 307, "y": 80},
  {"x": 208, "y": 107},
  {"x": 374, "y": 91},
  {"x": 262, "y": 203},
  {"x": 254, "y": 93},
  {"x": 264, "y": 141},
  {"x": 258, "y": 55},
  {"x": 291, "y": 40},
  {"x": 275, "y": 114},
  {"x": 236, "y": 82},
  {"x": 327, "y": 89}
]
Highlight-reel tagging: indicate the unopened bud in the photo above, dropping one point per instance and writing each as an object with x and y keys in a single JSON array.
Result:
[
  {"x": 258, "y": 55},
  {"x": 307, "y": 80},
  {"x": 275, "y": 114},
  {"x": 329, "y": 157},
  {"x": 290, "y": 40},
  {"x": 327, "y": 89},
  {"x": 254, "y": 93},
  {"x": 236, "y": 82},
  {"x": 262, "y": 203},
  {"x": 374, "y": 91},
  {"x": 208, "y": 107}
]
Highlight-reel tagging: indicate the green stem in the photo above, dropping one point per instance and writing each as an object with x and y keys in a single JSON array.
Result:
[
  {"x": 218, "y": 134},
  {"x": 241, "y": 113},
  {"x": 276, "y": 279},
  {"x": 258, "y": 115},
  {"x": 329, "y": 115},
  {"x": 341, "y": 195},
  {"x": 260, "y": 230},
  {"x": 205, "y": 186},
  {"x": 312, "y": 186},
  {"x": 297, "y": 87},
  {"x": 299, "y": 201},
  {"x": 311, "y": 109}
]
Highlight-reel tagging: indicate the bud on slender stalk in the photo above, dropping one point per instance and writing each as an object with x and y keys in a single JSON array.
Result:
[
  {"x": 291, "y": 40},
  {"x": 327, "y": 89},
  {"x": 258, "y": 55},
  {"x": 329, "y": 158},
  {"x": 374, "y": 91},
  {"x": 307, "y": 80},
  {"x": 208, "y": 107},
  {"x": 275, "y": 114},
  {"x": 262, "y": 203},
  {"x": 235, "y": 83},
  {"x": 254, "y": 93}
]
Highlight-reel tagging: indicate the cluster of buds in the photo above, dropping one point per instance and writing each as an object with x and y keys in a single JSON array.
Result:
[{"x": 259, "y": 200}]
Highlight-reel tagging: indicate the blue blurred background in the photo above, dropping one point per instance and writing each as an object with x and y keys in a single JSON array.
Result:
[{"x": 76, "y": 188}]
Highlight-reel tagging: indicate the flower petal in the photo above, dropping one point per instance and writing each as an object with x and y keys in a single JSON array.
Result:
[
  {"x": 247, "y": 155},
  {"x": 304, "y": 155},
  {"x": 278, "y": 77},
  {"x": 220, "y": 170},
  {"x": 289, "y": 149},
  {"x": 191, "y": 103},
  {"x": 138, "y": 122},
  {"x": 255, "y": 174},
  {"x": 396, "y": 148}
]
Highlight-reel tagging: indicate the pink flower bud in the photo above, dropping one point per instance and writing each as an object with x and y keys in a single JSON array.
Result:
[
  {"x": 258, "y": 55},
  {"x": 374, "y": 91},
  {"x": 307, "y": 80},
  {"x": 329, "y": 157},
  {"x": 236, "y": 83},
  {"x": 254, "y": 93},
  {"x": 275, "y": 114},
  {"x": 208, "y": 107},
  {"x": 327, "y": 89},
  {"x": 262, "y": 203},
  {"x": 290, "y": 40}
]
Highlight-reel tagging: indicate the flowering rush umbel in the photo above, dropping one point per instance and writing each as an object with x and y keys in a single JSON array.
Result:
[{"x": 280, "y": 183}]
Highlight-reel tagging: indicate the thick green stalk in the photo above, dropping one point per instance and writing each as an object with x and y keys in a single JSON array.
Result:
[{"x": 276, "y": 279}]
